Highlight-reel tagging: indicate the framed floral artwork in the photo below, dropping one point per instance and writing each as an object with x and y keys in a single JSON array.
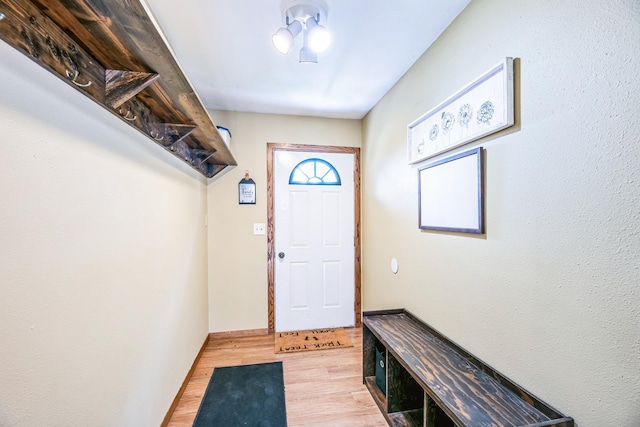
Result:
[{"x": 481, "y": 108}]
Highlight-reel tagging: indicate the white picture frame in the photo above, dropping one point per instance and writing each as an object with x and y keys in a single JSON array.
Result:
[
  {"x": 484, "y": 106},
  {"x": 450, "y": 194}
]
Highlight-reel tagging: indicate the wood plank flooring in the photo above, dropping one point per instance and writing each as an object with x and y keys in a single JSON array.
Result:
[{"x": 322, "y": 388}]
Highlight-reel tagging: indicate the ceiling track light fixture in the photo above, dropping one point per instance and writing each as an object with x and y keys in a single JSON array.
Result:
[{"x": 306, "y": 16}]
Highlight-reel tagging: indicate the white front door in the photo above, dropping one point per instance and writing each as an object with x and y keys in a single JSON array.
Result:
[{"x": 314, "y": 240}]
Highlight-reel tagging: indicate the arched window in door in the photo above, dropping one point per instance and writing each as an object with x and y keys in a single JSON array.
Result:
[{"x": 314, "y": 172}]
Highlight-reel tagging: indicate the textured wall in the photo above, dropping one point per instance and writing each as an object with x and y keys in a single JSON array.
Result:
[
  {"x": 103, "y": 274},
  {"x": 550, "y": 295},
  {"x": 237, "y": 258}
]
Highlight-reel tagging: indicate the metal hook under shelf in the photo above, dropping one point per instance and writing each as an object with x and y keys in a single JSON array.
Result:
[
  {"x": 154, "y": 136},
  {"x": 126, "y": 116},
  {"x": 74, "y": 76}
]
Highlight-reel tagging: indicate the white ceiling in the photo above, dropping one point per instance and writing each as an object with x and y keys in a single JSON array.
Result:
[{"x": 225, "y": 49}]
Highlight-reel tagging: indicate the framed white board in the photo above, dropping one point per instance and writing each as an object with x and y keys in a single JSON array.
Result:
[{"x": 450, "y": 194}]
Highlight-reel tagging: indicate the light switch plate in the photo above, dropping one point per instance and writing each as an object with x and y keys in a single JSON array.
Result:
[{"x": 258, "y": 229}]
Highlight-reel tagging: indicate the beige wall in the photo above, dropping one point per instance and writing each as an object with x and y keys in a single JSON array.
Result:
[
  {"x": 103, "y": 268},
  {"x": 550, "y": 295},
  {"x": 237, "y": 258}
]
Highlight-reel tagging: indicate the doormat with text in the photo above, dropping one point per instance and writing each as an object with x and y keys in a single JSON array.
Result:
[{"x": 315, "y": 339}]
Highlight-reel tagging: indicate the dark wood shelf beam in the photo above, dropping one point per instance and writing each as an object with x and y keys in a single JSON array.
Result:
[{"x": 115, "y": 53}]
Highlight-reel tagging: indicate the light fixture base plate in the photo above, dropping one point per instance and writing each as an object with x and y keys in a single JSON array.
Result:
[{"x": 301, "y": 10}]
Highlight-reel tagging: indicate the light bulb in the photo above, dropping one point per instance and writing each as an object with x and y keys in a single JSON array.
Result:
[
  {"x": 307, "y": 56},
  {"x": 283, "y": 38},
  {"x": 319, "y": 37}
]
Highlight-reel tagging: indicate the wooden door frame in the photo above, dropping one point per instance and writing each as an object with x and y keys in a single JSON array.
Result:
[{"x": 272, "y": 147}]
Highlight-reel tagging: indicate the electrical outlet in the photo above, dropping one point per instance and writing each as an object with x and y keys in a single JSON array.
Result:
[{"x": 258, "y": 229}]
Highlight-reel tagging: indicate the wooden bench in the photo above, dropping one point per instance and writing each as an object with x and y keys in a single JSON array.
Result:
[{"x": 429, "y": 381}]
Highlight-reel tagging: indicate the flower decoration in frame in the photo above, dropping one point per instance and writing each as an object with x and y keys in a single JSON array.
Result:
[{"x": 482, "y": 107}]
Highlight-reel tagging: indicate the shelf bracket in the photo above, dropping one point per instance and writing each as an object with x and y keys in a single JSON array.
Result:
[
  {"x": 121, "y": 86},
  {"x": 176, "y": 132}
]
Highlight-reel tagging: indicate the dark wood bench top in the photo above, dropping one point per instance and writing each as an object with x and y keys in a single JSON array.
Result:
[{"x": 468, "y": 394}]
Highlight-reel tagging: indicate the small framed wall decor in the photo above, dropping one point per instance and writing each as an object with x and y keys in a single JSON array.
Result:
[
  {"x": 450, "y": 194},
  {"x": 481, "y": 108},
  {"x": 247, "y": 191}
]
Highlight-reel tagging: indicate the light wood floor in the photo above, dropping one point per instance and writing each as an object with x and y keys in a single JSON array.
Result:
[{"x": 322, "y": 387}]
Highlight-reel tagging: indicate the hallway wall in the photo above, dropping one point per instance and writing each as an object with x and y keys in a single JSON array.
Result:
[
  {"x": 549, "y": 296},
  {"x": 103, "y": 265},
  {"x": 237, "y": 258}
]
